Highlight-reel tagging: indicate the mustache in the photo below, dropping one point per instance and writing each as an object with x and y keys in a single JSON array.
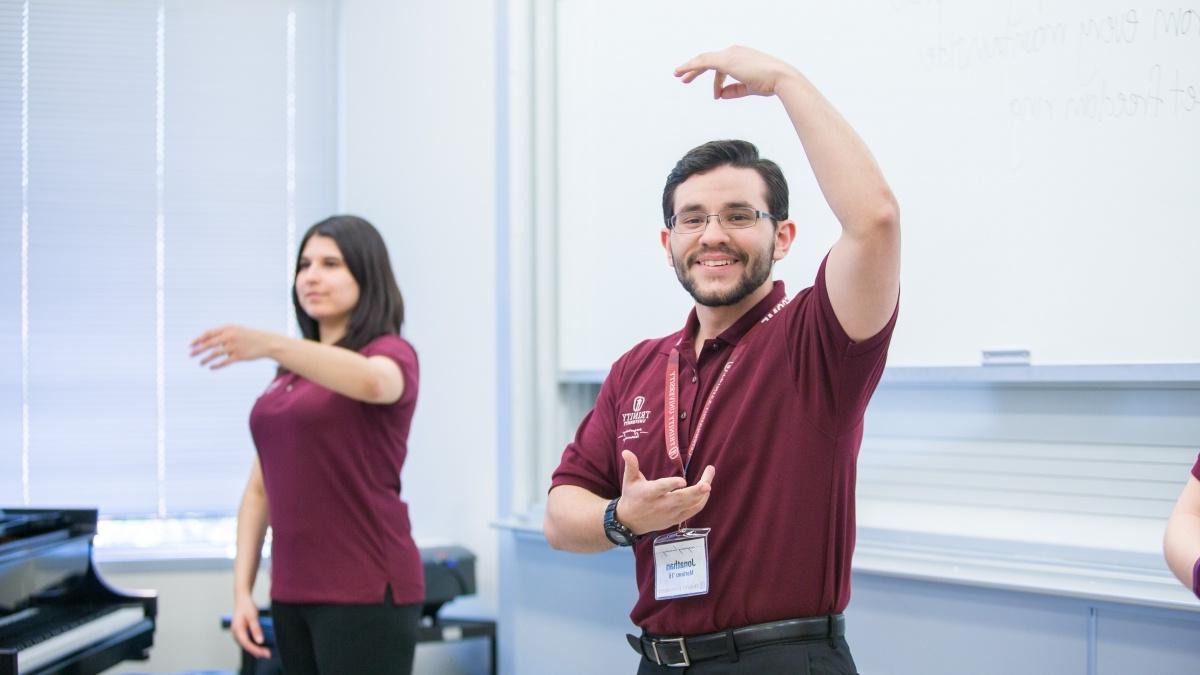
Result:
[{"x": 722, "y": 248}]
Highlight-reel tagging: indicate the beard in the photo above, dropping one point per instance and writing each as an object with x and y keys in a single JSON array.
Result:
[{"x": 757, "y": 271}]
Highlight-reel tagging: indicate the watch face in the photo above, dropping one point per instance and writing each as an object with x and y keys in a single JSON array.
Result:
[{"x": 618, "y": 534}]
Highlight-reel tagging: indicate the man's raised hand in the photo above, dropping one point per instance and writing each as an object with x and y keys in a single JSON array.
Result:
[
  {"x": 757, "y": 74},
  {"x": 653, "y": 505}
]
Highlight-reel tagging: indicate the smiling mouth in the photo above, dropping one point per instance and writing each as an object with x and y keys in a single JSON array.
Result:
[{"x": 716, "y": 257}]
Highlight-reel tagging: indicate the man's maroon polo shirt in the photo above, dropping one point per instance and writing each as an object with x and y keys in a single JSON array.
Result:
[{"x": 783, "y": 433}]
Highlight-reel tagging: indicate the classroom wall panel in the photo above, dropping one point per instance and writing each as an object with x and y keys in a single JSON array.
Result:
[
  {"x": 938, "y": 629},
  {"x": 1131, "y": 640},
  {"x": 1043, "y": 155}
]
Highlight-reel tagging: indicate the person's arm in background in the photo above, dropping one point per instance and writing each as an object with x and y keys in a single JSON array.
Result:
[
  {"x": 251, "y": 530},
  {"x": 370, "y": 379},
  {"x": 1181, "y": 542},
  {"x": 863, "y": 270}
]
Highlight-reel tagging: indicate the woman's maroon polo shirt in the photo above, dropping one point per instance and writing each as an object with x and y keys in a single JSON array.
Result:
[
  {"x": 331, "y": 465},
  {"x": 783, "y": 433}
]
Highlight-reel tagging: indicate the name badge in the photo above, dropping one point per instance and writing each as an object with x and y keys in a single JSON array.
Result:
[{"x": 681, "y": 563}]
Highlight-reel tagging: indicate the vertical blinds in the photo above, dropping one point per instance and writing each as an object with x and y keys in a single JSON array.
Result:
[
  {"x": 11, "y": 20},
  {"x": 156, "y": 160}
]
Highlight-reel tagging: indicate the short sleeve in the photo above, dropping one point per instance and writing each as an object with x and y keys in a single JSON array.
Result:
[
  {"x": 590, "y": 460},
  {"x": 1196, "y": 468},
  {"x": 399, "y": 350},
  {"x": 835, "y": 374}
]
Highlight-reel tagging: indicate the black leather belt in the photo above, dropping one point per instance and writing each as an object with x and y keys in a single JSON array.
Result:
[{"x": 684, "y": 651}]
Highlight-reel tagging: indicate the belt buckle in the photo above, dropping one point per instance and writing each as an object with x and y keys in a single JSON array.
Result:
[{"x": 682, "y": 652}]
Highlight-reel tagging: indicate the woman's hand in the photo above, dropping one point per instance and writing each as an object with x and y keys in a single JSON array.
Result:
[
  {"x": 246, "y": 629},
  {"x": 229, "y": 344}
]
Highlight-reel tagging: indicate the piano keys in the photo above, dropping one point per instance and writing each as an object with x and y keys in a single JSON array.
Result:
[{"x": 57, "y": 615}]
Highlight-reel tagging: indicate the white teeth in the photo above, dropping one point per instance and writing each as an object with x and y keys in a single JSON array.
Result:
[{"x": 714, "y": 263}]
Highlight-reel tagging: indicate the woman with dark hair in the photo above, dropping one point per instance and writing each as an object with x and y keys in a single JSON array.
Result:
[{"x": 332, "y": 433}]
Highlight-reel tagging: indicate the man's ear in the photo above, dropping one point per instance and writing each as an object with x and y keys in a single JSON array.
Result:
[
  {"x": 665, "y": 237},
  {"x": 785, "y": 235}
]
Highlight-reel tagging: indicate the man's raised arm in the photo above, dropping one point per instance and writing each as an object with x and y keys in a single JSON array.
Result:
[{"x": 863, "y": 271}]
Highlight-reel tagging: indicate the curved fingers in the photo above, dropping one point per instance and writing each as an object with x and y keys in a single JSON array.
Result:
[
  {"x": 205, "y": 336},
  {"x": 210, "y": 356},
  {"x": 248, "y": 635},
  {"x": 669, "y": 485},
  {"x": 694, "y": 508},
  {"x": 695, "y": 65},
  {"x": 735, "y": 90},
  {"x": 690, "y": 75},
  {"x": 690, "y": 494},
  {"x": 718, "y": 83},
  {"x": 632, "y": 472},
  {"x": 218, "y": 347},
  {"x": 210, "y": 339}
]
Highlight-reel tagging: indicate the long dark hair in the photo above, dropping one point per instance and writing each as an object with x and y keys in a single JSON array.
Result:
[{"x": 380, "y": 308}]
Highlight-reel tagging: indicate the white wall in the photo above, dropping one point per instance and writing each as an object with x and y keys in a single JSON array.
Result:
[{"x": 418, "y": 151}]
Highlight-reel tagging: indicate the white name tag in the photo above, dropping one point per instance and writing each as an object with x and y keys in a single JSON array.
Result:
[{"x": 681, "y": 564}]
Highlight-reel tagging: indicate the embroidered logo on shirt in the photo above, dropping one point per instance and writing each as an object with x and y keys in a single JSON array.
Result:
[
  {"x": 771, "y": 314},
  {"x": 632, "y": 434},
  {"x": 638, "y": 416}
]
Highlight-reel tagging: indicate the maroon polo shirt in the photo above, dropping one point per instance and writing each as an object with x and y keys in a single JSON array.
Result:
[
  {"x": 783, "y": 433},
  {"x": 331, "y": 465},
  {"x": 1196, "y": 468}
]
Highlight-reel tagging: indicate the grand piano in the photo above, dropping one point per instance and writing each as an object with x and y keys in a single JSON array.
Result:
[{"x": 56, "y": 614}]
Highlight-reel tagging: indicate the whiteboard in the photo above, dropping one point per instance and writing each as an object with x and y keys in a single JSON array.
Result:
[{"x": 1046, "y": 157}]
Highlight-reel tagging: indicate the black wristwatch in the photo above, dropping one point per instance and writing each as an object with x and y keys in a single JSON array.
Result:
[{"x": 614, "y": 529}]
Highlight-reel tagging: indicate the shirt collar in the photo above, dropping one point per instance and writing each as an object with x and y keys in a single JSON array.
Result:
[{"x": 739, "y": 328}]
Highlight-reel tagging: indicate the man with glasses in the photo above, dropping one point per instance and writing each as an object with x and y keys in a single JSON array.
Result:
[{"x": 747, "y": 571}]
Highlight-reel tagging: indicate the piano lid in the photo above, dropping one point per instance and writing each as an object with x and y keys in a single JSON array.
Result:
[
  {"x": 15, "y": 524},
  {"x": 56, "y": 613},
  {"x": 41, "y": 562}
]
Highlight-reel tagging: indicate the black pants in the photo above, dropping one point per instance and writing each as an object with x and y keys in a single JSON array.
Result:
[
  {"x": 824, "y": 656},
  {"x": 340, "y": 639}
]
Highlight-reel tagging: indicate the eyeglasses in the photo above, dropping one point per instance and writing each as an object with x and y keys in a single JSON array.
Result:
[{"x": 733, "y": 218}]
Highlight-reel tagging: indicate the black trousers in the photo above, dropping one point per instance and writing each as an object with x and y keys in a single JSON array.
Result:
[
  {"x": 824, "y": 656},
  {"x": 340, "y": 639}
]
